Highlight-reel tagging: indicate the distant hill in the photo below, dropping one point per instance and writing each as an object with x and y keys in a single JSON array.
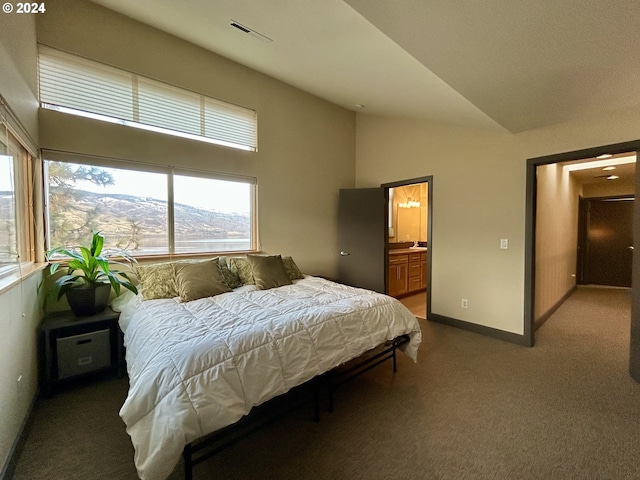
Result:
[{"x": 137, "y": 221}]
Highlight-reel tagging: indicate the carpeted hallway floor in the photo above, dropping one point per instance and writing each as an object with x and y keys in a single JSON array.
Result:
[{"x": 471, "y": 408}]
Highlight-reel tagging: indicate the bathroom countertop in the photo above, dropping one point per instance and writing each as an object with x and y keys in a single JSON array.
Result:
[{"x": 404, "y": 251}]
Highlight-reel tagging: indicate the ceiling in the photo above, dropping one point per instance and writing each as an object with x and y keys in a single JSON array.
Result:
[
  {"x": 591, "y": 170},
  {"x": 493, "y": 64}
]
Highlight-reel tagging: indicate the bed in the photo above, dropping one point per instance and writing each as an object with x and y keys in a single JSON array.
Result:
[{"x": 198, "y": 366}]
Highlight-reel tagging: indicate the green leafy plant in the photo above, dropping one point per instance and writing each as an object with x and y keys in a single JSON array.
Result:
[{"x": 88, "y": 266}]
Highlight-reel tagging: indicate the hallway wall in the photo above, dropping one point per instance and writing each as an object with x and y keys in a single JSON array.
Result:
[{"x": 556, "y": 237}]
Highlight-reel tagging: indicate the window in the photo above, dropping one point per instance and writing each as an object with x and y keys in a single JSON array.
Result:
[
  {"x": 148, "y": 210},
  {"x": 8, "y": 240},
  {"x": 16, "y": 227},
  {"x": 211, "y": 215},
  {"x": 79, "y": 86}
]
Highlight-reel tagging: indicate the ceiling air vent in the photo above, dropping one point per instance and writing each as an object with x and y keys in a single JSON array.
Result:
[{"x": 249, "y": 31}]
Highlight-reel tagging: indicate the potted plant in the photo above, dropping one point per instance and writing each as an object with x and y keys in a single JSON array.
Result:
[{"x": 89, "y": 278}]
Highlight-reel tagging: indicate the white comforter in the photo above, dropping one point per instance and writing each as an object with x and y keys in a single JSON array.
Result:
[{"x": 197, "y": 367}]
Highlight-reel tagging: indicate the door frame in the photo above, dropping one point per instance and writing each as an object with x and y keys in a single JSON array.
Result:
[
  {"x": 401, "y": 183},
  {"x": 530, "y": 234}
]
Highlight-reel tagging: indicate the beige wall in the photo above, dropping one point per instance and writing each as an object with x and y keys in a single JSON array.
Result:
[
  {"x": 556, "y": 236},
  {"x": 18, "y": 82},
  {"x": 477, "y": 192},
  {"x": 305, "y": 145},
  {"x": 479, "y": 182},
  {"x": 19, "y": 323},
  {"x": 20, "y": 317}
]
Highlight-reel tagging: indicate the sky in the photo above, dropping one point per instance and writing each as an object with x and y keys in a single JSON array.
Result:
[
  {"x": 204, "y": 193},
  {"x": 6, "y": 181}
]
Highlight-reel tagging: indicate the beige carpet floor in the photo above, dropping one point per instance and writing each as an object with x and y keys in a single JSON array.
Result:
[{"x": 472, "y": 408}]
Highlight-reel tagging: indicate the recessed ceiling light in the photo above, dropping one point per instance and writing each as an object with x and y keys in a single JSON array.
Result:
[
  {"x": 612, "y": 177},
  {"x": 603, "y": 156},
  {"x": 606, "y": 169},
  {"x": 599, "y": 163}
]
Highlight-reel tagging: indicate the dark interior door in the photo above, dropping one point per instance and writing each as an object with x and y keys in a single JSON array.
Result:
[
  {"x": 608, "y": 240},
  {"x": 361, "y": 238}
]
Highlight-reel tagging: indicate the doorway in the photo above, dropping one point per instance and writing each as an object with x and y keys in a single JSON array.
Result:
[
  {"x": 530, "y": 242},
  {"x": 408, "y": 246}
]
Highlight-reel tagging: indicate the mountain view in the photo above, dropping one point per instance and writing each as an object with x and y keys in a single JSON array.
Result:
[{"x": 139, "y": 224}]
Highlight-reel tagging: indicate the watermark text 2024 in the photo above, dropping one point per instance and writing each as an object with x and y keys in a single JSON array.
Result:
[{"x": 20, "y": 7}]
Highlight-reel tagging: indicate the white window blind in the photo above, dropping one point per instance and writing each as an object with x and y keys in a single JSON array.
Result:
[
  {"x": 76, "y": 85},
  {"x": 155, "y": 98}
]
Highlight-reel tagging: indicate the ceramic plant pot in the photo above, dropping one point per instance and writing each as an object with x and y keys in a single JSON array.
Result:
[{"x": 88, "y": 300}]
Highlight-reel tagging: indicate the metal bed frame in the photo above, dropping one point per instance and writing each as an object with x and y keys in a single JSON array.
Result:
[{"x": 204, "y": 448}]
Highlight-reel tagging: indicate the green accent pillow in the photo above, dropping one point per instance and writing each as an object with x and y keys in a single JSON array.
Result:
[
  {"x": 268, "y": 271},
  {"x": 157, "y": 280},
  {"x": 241, "y": 267},
  {"x": 231, "y": 278},
  {"x": 292, "y": 269},
  {"x": 200, "y": 279}
]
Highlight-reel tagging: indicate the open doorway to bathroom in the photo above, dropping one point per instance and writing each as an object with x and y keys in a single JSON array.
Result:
[{"x": 408, "y": 246}]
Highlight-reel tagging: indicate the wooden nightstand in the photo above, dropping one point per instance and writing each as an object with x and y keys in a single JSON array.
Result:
[{"x": 71, "y": 347}]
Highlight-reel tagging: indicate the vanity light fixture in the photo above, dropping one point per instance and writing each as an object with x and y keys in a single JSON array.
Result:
[{"x": 409, "y": 204}]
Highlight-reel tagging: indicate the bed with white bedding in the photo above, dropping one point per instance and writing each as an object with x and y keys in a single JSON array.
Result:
[{"x": 196, "y": 367}]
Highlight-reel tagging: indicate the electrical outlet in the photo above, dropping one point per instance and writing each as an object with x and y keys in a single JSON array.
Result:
[{"x": 464, "y": 303}]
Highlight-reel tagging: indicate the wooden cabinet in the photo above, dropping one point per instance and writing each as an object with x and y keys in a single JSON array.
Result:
[
  {"x": 407, "y": 272},
  {"x": 414, "y": 272},
  {"x": 398, "y": 275}
]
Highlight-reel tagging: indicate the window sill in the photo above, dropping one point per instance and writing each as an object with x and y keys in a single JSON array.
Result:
[
  {"x": 19, "y": 275},
  {"x": 185, "y": 256}
]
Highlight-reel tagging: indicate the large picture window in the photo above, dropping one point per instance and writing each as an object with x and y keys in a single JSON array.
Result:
[{"x": 149, "y": 211}]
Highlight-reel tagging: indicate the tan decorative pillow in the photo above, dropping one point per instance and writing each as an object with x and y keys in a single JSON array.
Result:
[
  {"x": 199, "y": 279},
  {"x": 268, "y": 271},
  {"x": 157, "y": 280},
  {"x": 291, "y": 268},
  {"x": 231, "y": 278},
  {"x": 241, "y": 267}
]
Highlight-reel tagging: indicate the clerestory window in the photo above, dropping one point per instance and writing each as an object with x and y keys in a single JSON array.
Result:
[{"x": 79, "y": 86}]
